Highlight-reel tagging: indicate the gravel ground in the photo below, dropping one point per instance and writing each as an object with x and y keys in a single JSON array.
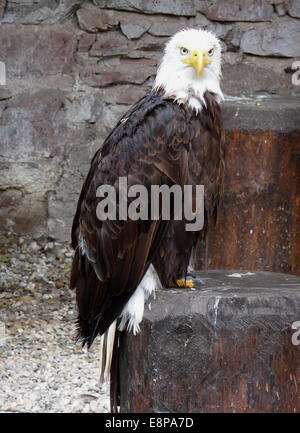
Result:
[{"x": 41, "y": 367}]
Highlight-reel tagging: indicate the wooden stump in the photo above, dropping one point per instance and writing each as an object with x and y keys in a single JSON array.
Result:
[
  {"x": 225, "y": 346},
  {"x": 258, "y": 223}
]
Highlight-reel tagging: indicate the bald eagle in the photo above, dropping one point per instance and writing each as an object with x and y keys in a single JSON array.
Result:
[{"x": 172, "y": 136}]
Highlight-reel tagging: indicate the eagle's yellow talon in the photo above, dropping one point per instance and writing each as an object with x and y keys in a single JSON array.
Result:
[{"x": 182, "y": 282}]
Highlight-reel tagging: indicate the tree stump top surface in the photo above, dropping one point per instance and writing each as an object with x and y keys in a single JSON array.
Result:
[
  {"x": 279, "y": 114},
  {"x": 224, "y": 346},
  {"x": 232, "y": 292},
  {"x": 241, "y": 283}
]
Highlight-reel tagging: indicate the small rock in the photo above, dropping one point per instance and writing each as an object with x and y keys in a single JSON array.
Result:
[
  {"x": 40, "y": 364},
  {"x": 49, "y": 246},
  {"x": 33, "y": 246},
  {"x": 133, "y": 31},
  {"x": 3, "y": 282},
  {"x": 25, "y": 299},
  {"x": 294, "y": 8},
  {"x": 4, "y": 258},
  {"x": 274, "y": 39}
]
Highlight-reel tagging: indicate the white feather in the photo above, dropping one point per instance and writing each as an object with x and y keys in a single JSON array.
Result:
[
  {"x": 180, "y": 80},
  {"x": 84, "y": 250},
  {"x": 106, "y": 351},
  {"x": 133, "y": 311}
]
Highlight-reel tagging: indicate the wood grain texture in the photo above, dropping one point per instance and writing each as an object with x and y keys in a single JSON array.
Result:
[
  {"x": 224, "y": 347},
  {"x": 258, "y": 224}
]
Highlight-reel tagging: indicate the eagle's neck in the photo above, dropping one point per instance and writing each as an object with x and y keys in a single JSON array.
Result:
[{"x": 188, "y": 88}]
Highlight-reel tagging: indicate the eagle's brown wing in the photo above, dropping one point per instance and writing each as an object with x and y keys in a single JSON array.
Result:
[
  {"x": 206, "y": 167},
  {"x": 150, "y": 147}
]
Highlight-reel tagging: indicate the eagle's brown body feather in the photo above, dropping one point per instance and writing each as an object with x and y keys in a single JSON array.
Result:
[{"x": 157, "y": 142}]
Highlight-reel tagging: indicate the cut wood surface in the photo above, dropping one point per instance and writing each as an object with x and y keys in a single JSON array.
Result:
[{"x": 225, "y": 346}]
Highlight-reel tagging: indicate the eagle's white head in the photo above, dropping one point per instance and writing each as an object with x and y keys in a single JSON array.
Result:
[{"x": 191, "y": 65}]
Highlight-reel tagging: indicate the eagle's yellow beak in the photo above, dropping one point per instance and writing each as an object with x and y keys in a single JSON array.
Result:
[{"x": 198, "y": 60}]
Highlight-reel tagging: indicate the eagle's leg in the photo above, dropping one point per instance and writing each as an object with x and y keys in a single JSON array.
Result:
[{"x": 182, "y": 282}]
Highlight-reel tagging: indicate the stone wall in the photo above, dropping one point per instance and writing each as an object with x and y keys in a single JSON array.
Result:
[{"x": 73, "y": 67}]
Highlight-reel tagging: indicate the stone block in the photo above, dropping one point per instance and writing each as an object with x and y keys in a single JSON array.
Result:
[
  {"x": 35, "y": 123},
  {"x": 2, "y": 7},
  {"x": 276, "y": 39},
  {"x": 85, "y": 42},
  {"x": 115, "y": 44},
  {"x": 124, "y": 94},
  {"x": 236, "y": 10},
  {"x": 171, "y": 7},
  {"x": 294, "y": 8},
  {"x": 40, "y": 12},
  {"x": 93, "y": 19},
  {"x": 250, "y": 76},
  {"x": 133, "y": 31},
  {"x": 110, "y": 44},
  {"x": 167, "y": 26},
  {"x": 118, "y": 71},
  {"x": 23, "y": 205},
  {"x": 36, "y": 50}
]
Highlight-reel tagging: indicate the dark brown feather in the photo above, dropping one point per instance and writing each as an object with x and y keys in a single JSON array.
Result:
[
  {"x": 118, "y": 253},
  {"x": 157, "y": 142},
  {"x": 205, "y": 167}
]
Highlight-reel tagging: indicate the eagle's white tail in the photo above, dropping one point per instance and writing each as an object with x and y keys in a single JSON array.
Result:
[
  {"x": 131, "y": 318},
  {"x": 133, "y": 311},
  {"x": 106, "y": 351}
]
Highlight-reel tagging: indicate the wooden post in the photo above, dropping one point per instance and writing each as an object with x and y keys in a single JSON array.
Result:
[
  {"x": 225, "y": 346},
  {"x": 258, "y": 224}
]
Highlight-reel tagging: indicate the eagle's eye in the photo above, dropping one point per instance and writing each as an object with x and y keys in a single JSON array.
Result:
[
  {"x": 210, "y": 52},
  {"x": 183, "y": 51}
]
